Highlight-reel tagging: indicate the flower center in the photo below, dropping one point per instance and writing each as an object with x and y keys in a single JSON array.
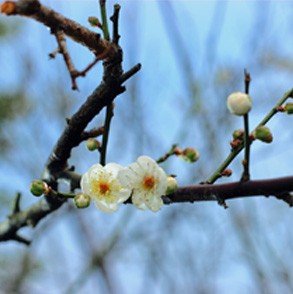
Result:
[
  {"x": 104, "y": 187},
  {"x": 149, "y": 182}
]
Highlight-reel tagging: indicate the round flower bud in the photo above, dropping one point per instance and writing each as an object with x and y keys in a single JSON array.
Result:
[
  {"x": 239, "y": 103},
  {"x": 94, "y": 22},
  {"x": 190, "y": 154},
  {"x": 82, "y": 200},
  {"x": 289, "y": 108},
  {"x": 226, "y": 172},
  {"x": 171, "y": 185},
  {"x": 92, "y": 144},
  {"x": 263, "y": 134},
  {"x": 38, "y": 188}
]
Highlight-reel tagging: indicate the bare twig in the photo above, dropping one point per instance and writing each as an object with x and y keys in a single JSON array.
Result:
[
  {"x": 114, "y": 18},
  {"x": 60, "y": 37},
  {"x": 246, "y": 175},
  {"x": 93, "y": 133}
]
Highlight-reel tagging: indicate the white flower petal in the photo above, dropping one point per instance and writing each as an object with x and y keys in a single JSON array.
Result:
[
  {"x": 148, "y": 181},
  {"x": 155, "y": 203},
  {"x": 113, "y": 168},
  {"x": 138, "y": 200},
  {"x": 106, "y": 207},
  {"x": 103, "y": 186},
  {"x": 84, "y": 183}
]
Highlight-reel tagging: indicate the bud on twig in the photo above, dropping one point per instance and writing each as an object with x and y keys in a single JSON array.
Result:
[
  {"x": 289, "y": 108},
  {"x": 263, "y": 134},
  {"x": 190, "y": 154},
  {"x": 239, "y": 103},
  {"x": 94, "y": 22},
  {"x": 82, "y": 200},
  {"x": 171, "y": 185},
  {"x": 39, "y": 188},
  {"x": 226, "y": 172},
  {"x": 92, "y": 144}
]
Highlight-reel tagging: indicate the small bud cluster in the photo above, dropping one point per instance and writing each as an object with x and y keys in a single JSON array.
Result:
[{"x": 188, "y": 154}]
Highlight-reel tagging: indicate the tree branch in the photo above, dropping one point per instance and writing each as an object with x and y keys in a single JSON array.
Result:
[
  {"x": 280, "y": 187},
  {"x": 57, "y": 22}
]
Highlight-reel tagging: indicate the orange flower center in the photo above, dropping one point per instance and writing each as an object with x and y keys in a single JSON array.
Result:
[
  {"x": 149, "y": 182},
  {"x": 104, "y": 188}
]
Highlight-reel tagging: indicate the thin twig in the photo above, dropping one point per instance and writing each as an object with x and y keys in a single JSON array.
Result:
[
  {"x": 60, "y": 37},
  {"x": 246, "y": 175},
  {"x": 115, "y": 19},
  {"x": 108, "y": 118},
  {"x": 168, "y": 154},
  {"x": 104, "y": 20},
  {"x": 93, "y": 133},
  {"x": 128, "y": 74}
]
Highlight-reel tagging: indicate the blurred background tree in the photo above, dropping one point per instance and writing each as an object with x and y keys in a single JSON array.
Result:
[{"x": 193, "y": 55}]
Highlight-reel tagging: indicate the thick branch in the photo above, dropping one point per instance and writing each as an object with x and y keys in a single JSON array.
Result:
[
  {"x": 72, "y": 135},
  {"x": 272, "y": 187}
]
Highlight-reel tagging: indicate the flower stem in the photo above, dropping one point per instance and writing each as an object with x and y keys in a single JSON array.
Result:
[{"x": 235, "y": 152}]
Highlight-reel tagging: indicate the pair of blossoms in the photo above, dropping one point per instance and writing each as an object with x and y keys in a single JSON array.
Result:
[{"x": 143, "y": 181}]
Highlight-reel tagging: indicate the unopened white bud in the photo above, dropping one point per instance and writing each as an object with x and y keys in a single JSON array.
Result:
[{"x": 239, "y": 103}]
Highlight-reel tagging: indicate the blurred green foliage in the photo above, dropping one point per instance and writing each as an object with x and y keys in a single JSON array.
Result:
[
  {"x": 8, "y": 29},
  {"x": 12, "y": 105}
]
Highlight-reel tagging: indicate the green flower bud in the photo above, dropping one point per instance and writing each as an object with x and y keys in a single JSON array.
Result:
[
  {"x": 190, "y": 154},
  {"x": 289, "y": 107},
  {"x": 263, "y": 134},
  {"x": 94, "y": 22},
  {"x": 171, "y": 185},
  {"x": 239, "y": 103},
  {"x": 39, "y": 188},
  {"x": 238, "y": 134},
  {"x": 82, "y": 200},
  {"x": 92, "y": 144}
]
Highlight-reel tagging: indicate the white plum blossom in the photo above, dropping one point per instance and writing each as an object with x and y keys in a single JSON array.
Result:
[
  {"x": 239, "y": 103},
  {"x": 148, "y": 182},
  {"x": 103, "y": 185}
]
